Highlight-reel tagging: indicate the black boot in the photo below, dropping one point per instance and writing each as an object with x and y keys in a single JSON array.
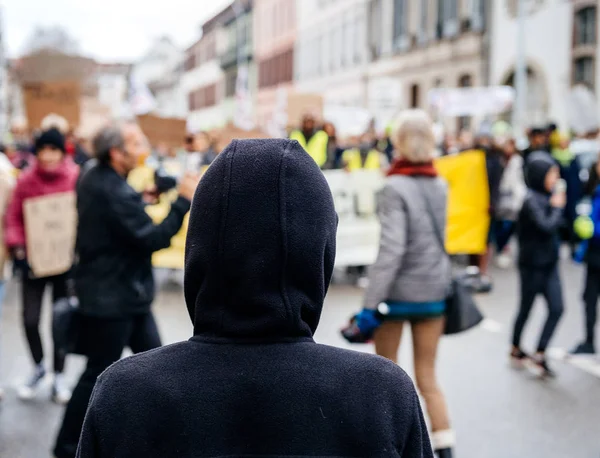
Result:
[{"x": 444, "y": 453}]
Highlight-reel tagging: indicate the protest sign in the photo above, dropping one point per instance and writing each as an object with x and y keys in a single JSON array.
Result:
[
  {"x": 299, "y": 105},
  {"x": 170, "y": 131},
  {"x": 50, "y": 228},
  {"x": 468, "y": 201},
  {"x": 472, "y": 101},
  {"x": 354, "y": 196},
  {"x": 60, "y": 97}
]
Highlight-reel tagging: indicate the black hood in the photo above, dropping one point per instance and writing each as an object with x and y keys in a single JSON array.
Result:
[
  {"x": 538, "y": 165},
  {"x": 260, "y": 246}
]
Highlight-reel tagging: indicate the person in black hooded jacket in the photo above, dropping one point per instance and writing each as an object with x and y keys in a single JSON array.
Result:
[
  {"x": 538, "y": 231},
  {"x": 251, "y": 381}
]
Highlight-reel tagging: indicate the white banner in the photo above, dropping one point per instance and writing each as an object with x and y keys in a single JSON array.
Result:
[
  {"x": 472, "y": 101},
  {"x": 354, "y": 195}
]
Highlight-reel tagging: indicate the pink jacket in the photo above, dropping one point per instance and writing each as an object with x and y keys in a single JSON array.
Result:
[{"x": 36, "y": 182}]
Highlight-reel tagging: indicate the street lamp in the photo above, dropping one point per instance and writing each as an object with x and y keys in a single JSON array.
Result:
[{"x": 520, "y": 73}]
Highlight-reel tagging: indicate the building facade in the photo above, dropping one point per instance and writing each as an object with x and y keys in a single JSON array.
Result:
[
  {"x": 352, "y": 51},
  {"x": 274, "y": 39},
  {"x": 552, "y": 53},
  {"x": 201, "y": 80},
  {"x": 330, "y": 55},
  {"x": 162, "y": 56},
  {"x": 112, "y": 81},
  {"x": 235, "y": 47}
]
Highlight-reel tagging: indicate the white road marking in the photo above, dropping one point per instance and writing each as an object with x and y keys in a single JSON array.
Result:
[
  {"x": 589, "y": 364},
  {"x": 491, "y": 326}
]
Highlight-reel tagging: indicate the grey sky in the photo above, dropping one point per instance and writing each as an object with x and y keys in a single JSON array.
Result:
[{"x": 109, "y": 30}]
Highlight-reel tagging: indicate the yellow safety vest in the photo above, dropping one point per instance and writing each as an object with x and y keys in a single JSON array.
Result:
[
  {"x": 316, "y": 147},
  {"x": 354, "y": 161}
]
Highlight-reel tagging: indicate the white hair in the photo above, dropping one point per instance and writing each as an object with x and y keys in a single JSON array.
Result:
[
  {"x": 413, "y": 136},
  {"x": 55, "y": 121}
]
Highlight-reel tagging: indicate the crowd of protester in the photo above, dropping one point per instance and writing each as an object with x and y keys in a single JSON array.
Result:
[{"x": 534, "y": 193}]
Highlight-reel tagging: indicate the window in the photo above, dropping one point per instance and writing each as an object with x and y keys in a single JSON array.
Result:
[
  {"x": 276, "y": 70},
  {"x": 450, "y": 18},
  {"x": 400, "y": 23},
  {"x": 464, "y": 122},
  {"x": 585, "y": 26},
  {"x": 345, "y": 58},
  {"x": 447, "y": 18},
  {"x": 583, "y": 71},
  {"x": 478, "y": 15},
  {"x": 375, "y": 29},
  {"x": 424, "y": 26},
  {"x": 337, "y": 48},
  {"x": 357, "y": 40},
  {"x": 203, "y": 97},
  {"x": 414, "y": 96},
  {"x": 465, "y": 81},
  {"x": 230, "y": 82}
]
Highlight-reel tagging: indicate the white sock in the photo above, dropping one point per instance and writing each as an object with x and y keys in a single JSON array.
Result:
[{"x": 443, "y": 439}]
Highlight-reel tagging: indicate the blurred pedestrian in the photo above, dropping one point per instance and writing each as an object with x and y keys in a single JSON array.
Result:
[
  {"x": 113, "y": 278},
  {"x": 465, "y": 140},
  {"x": 53, "y": 172},
  {"x": 334, "y": 148},
  {"x": 75, "y": 149},
  {"x": 252, "y": 381},
  {"x": 205, "y": 144},
  {"x": 538, "y": 141},
  {"x": 538, "y": 232},
  {"x": 494, "y": 156},
  {"x": 364, "y": 156},
  {"x": 510, "y": 201},
  {"x": 412, "y": 273},
  {"x": 7, "y": 184},
  {"x": 313, "y": 140},
  {"x": 592, "y": 261}
]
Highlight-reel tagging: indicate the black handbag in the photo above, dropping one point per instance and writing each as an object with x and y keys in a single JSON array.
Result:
[
  {"x": 462, "y": 312},
  {"x": 65, "y": 324}
]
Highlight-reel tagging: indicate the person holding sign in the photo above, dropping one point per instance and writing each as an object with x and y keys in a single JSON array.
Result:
[
  {"x": 113, "y": 277},
  {"x": 53, "y": 174}
]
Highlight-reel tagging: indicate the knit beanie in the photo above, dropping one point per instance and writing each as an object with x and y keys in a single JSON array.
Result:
[{"x": 51, "y": 137}]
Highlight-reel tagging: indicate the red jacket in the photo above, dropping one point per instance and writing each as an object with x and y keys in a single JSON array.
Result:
[{"x": 36, "y": 182}]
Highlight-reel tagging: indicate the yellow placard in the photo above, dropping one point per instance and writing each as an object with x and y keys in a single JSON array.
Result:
[{"x": 468, "y": 202}]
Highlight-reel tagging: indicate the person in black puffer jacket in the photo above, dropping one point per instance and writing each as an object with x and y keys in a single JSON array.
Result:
[
  {"x": 538, "y": 233},
  {"x": 252, "y": 381}
]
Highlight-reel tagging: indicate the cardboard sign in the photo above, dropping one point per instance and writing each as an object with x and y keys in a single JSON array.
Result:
[
  {"x": 299, "y": 105},
  {"x": 170, "y": 131},
  {"x": 43, "y": 98},
  {"x": 50, "y": 228}
]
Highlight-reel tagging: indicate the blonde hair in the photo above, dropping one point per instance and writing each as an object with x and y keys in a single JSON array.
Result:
[
  {"x": 55, "y": 121},
  {"x": 413, "y": 137}
]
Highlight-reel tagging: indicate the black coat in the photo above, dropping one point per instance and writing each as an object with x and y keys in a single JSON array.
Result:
[
  {"x": 539, "y": 222},
  {"x": 494, "y": 169},
  {"x": 115, "y": 242},
  {"x": 252, "y": 382}
]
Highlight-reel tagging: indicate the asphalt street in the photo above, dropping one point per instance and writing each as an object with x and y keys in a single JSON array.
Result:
[{"x": 497, "y": 412}]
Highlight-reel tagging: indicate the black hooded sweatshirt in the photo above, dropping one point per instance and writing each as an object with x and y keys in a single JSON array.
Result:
[
  {"x": 539, "y": 222},
  {"x": 252, "y": 382}
]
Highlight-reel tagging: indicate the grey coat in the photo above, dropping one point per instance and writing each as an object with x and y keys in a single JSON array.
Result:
[{"x": 411, "y": 266}]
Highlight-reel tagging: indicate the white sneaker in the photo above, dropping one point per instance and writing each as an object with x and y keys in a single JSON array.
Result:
[
  {"x": 61, "y": 394},
  {"x": 504, "y": 261},
  {"x": 28, "y": 390}
]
